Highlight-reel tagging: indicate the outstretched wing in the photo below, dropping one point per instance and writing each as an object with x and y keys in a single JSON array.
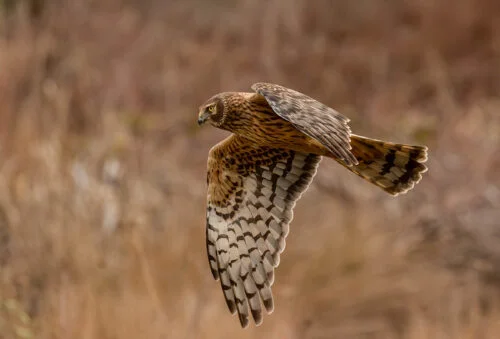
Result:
[
  {"x": 251, "y": 194},
  {"x": 311, "y": 117}
]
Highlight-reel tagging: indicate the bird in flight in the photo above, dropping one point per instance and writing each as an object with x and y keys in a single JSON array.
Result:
[{"x": 256, "y": 175}]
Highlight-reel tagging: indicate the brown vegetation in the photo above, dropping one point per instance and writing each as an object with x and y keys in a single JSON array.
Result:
[{"x": 102, "y": 166}]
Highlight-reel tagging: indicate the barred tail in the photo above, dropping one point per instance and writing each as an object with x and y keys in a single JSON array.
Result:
[{"x": 395, "y": 168}]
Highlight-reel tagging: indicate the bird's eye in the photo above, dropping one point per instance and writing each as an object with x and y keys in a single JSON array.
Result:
[{"x": 211, "y": 109}]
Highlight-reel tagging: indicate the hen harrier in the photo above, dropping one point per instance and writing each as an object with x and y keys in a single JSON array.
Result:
[{"x": 256, "y": 175}]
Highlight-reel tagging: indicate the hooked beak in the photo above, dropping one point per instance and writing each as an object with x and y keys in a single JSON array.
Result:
[{"x": 202, "y": 118}]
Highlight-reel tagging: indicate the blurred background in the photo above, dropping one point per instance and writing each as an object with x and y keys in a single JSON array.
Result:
[{"x": 102, "y": 166}]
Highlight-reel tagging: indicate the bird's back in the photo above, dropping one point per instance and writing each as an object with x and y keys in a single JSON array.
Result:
[{"x": 264, "y": 127}]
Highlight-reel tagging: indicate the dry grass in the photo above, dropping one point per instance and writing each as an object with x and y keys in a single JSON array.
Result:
[{"x": 102, "y": 168}]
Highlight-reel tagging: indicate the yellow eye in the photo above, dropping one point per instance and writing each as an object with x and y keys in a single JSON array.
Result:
[{"x": 211, "y": 109}]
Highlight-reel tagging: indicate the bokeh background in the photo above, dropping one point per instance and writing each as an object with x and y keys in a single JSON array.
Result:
[{"x": 102, "y": 166}]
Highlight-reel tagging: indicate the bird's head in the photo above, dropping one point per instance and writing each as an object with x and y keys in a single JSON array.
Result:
[{"x": 213, "y": 111}]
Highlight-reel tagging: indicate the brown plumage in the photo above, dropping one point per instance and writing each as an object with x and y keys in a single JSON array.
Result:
[{"x": 257, "y": 174}]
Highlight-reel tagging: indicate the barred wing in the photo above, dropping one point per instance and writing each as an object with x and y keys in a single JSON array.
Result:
[
  {"x": 251, "y": 194},
  {"x": 311, "y": 117}
]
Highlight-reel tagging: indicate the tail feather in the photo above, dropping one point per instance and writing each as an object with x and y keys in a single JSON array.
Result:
[{"x": 395, "y": 168}]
